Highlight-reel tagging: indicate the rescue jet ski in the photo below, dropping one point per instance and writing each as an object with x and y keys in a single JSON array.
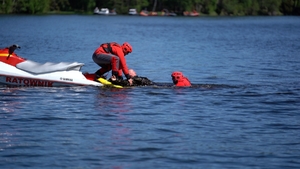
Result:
[{"x": 17, "y": 71}]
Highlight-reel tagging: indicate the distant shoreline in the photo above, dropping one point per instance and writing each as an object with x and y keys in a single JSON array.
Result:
[{"x": 158, "y": 15}]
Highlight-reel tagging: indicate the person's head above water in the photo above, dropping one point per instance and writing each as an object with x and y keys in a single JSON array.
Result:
[
  {"x": 177, "y": 75},
  {"x": 131, "y": 72},
  {"x": 179, "y": 79}
]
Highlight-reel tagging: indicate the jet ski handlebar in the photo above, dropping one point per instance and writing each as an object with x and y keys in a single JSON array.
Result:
[{"x": 12, "y": 48}]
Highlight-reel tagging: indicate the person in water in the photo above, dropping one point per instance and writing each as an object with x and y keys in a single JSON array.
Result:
[
  {"x": 180, "y": 80},
  {"x": 136, "y": 80},
  {"x": 111, "y": 56}
]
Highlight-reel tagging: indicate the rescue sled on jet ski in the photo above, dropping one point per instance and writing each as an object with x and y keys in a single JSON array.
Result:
[{"x": 17, "y": 71}]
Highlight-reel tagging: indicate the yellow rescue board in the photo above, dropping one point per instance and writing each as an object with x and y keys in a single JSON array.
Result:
[{"x": 108, "y": 83}]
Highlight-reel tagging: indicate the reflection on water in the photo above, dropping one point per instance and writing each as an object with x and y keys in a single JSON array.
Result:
[
  {"x": 99, "y": 126},
  {"x": 9, "y": 104}
]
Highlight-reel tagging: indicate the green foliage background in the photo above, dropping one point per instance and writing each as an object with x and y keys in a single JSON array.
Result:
[{"x": 204, "y": 7}]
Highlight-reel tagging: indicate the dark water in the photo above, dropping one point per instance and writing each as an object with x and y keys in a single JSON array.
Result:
[{"x": 243, "y": 112}]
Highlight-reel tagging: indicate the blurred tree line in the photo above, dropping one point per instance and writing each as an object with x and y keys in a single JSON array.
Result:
[{"x": 207, "y": 7}]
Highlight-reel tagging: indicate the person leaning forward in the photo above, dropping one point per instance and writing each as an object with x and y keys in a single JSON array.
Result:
[{"x": 111, "y": 56}]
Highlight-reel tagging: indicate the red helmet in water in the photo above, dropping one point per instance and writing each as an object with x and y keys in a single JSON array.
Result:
[
  {"x": 177, "y": 75},
  {"x": 126, "y": 48},
  {"x": 180, "y": 80}
]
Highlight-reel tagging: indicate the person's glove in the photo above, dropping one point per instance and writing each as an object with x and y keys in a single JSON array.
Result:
[
  {"x": 114, "y": 73},
  {"x": 128, "y": 76}
]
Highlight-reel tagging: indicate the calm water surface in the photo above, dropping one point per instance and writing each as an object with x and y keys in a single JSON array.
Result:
[{"x": 243, "y": 111}]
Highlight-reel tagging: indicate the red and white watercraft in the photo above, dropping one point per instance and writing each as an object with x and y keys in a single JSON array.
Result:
[{"x": 17, "y": 71}]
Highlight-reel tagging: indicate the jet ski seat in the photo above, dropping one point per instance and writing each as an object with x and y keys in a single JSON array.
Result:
[{"x": 48, "y": 67}]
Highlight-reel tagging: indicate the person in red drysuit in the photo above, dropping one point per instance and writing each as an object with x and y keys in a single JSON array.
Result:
[
  {"x": 180, "y": 80},
  {"x": 111, "y": 56}
]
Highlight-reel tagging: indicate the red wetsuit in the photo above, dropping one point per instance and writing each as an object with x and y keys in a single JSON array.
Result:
[
  {"x": 110, "y": 56},
  {"x": 180, "y": 80},
  {"x": 183, "y": 82}
]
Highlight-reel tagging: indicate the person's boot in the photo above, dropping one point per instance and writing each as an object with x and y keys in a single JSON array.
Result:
[{"x": 99, "y": 74}]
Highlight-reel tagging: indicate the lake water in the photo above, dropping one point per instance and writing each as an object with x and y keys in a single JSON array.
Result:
[{"x": 243, "y": 111}]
